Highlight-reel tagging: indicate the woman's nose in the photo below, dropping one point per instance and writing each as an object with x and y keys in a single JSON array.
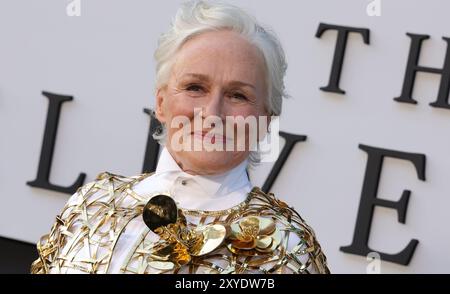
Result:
[{"x": 214, "y": 106}]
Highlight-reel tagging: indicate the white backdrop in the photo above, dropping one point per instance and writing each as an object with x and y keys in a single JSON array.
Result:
[{"x": 104, "y": 59}]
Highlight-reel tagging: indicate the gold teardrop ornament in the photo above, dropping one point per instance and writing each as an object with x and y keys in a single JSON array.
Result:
[{"x": 160, "y": 211}]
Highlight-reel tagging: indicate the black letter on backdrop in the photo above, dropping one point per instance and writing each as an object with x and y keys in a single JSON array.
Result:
[
  {"x": 369, "y": 200},
  {"x": 412, "y": 68},
  {"x": 339, "y": 52},
  {"x": 152, "y": 148},
  {"x": 291, "y": 140},
  {"x": 48, "y": 146}
]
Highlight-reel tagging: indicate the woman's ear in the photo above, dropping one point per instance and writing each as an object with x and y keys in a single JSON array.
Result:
[{"x": 160, "y": 100}]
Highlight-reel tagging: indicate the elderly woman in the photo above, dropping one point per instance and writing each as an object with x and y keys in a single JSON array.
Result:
[{"x": 198, "y": 212}]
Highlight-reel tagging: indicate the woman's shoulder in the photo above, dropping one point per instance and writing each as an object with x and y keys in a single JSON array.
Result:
[
  {"x": 105, "y": 186},
  {"x": 102, "y": 206},
  {"x": 301, "y": 238},
  {"x": 266, "y": 203}
]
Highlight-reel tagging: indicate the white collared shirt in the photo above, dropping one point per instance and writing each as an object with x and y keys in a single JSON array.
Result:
[{"x": 206, "y": 192}]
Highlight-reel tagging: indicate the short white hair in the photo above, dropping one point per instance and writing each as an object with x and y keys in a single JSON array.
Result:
[{"x": 196, "y": 17}]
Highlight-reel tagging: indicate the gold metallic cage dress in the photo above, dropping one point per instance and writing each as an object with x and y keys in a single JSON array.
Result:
[{"x": 260, "y": 235}]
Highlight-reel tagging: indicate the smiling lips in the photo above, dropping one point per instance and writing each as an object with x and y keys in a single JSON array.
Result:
[{"x": 210, "y": 137}]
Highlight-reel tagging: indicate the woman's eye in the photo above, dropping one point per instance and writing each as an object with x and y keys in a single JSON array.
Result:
[
  {"x": 239, "y": 96},
  {"x": 194, "y": 88}
]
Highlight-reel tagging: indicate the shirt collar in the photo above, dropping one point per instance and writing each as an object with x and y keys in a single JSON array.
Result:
[{"x": 213, "y": 185}]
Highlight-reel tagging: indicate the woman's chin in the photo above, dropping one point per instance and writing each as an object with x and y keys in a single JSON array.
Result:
[{"x": 211, "y": 161}]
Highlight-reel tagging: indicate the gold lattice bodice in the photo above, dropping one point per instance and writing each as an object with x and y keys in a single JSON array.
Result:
[{"x": 263, "y": 235}]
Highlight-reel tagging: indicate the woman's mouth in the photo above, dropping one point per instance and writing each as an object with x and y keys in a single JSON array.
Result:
[{"x": 210, "y": 137}]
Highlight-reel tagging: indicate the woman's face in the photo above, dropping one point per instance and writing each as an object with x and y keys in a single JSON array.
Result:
[{"x": 223, "y": 75}]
